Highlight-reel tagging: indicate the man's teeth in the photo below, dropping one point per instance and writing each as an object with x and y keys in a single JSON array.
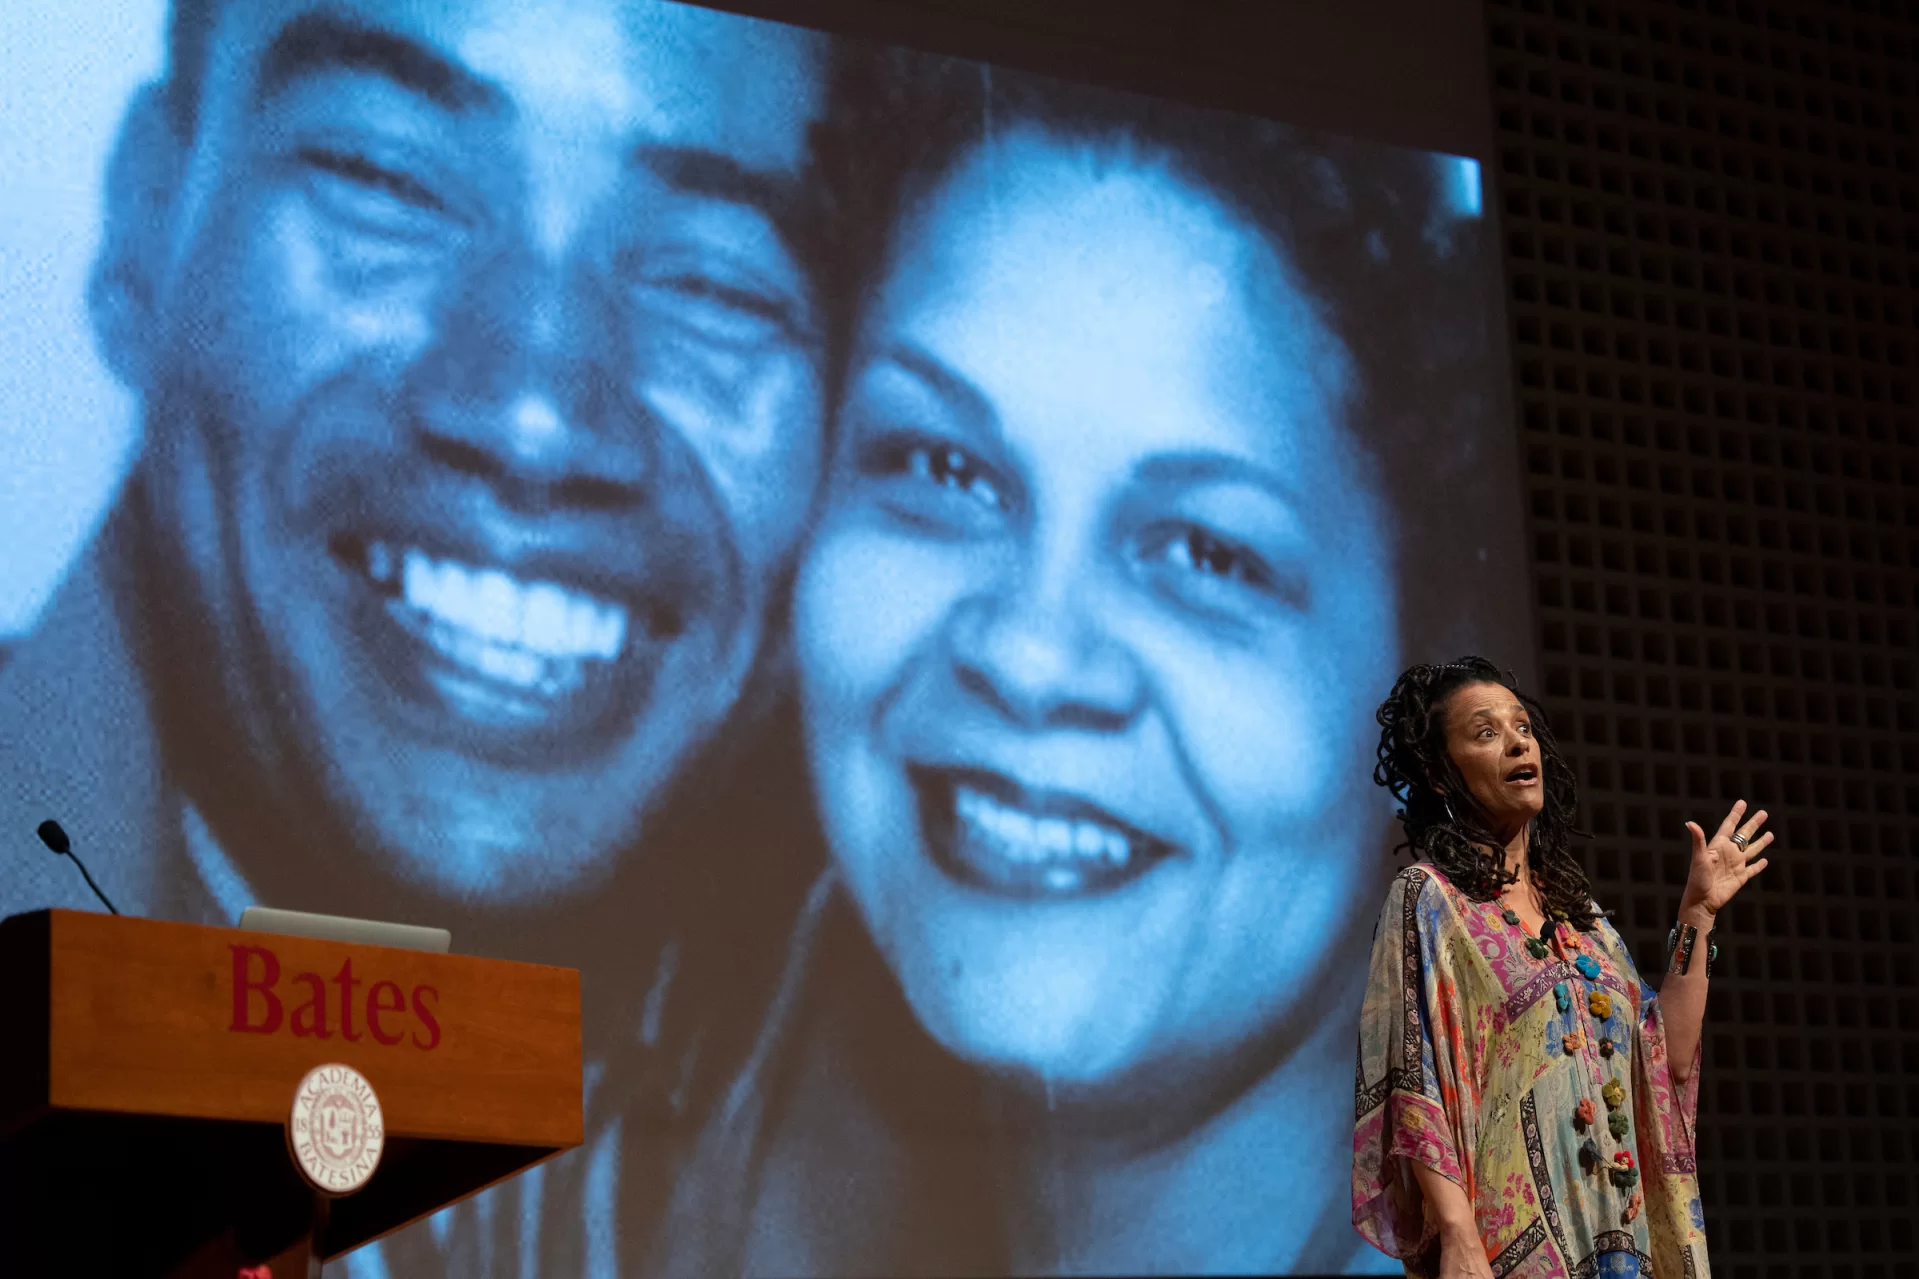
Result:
[
  {"x": 490, "y": 610},
  {"x": 1024, "y": 837},
  {"x": 535, "y": 637}
]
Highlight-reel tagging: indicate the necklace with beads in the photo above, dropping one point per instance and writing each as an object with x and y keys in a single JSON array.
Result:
[{"x": 1620, "y": 1168}]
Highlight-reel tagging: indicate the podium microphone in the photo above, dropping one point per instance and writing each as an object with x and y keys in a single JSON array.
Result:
[{"x": 54, "y": 837}]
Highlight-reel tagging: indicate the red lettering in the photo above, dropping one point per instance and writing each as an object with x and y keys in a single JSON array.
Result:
[
  {"x": 244, "y": 986},
  {"x": 314, "y": 1024},
  {"x": 425, "y": 1014},
  {"x": 383, "y": 997},
  {"x": 259, "y": 1009},
  {"x": 344, "y": 979}
]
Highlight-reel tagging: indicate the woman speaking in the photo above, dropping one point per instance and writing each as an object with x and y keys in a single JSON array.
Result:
[{"x": 1526, "y": 1103}]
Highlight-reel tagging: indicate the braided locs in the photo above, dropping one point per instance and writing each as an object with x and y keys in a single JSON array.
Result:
[{"x": 1442, "y": 822}]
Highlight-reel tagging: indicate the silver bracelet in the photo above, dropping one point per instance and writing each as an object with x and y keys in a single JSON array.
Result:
[{"x": 1680, "y": 943}]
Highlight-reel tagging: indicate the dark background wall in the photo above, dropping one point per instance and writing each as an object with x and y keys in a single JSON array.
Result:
[
  {"x": 1711, "y": 211},
  {"x": 1411, "y": 72}
]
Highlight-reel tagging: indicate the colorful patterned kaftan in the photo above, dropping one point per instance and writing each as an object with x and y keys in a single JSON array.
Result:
[{"x": 1523, "y": 1071}]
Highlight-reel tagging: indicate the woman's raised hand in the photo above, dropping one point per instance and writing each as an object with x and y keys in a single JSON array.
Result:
[{"x": 1722, "y": 865}]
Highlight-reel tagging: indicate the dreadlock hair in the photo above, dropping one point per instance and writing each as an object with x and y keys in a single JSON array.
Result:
[{"x": 1443, "y": 824}]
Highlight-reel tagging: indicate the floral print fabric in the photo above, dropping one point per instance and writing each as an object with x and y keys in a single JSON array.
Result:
[{"x": 1495, "y": 1068}]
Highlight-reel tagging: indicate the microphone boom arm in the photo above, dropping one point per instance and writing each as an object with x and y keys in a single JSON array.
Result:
[{"x": 55, "y": 838}]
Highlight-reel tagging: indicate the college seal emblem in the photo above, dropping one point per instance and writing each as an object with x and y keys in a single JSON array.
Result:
[{"x": 336, "y": 1131}]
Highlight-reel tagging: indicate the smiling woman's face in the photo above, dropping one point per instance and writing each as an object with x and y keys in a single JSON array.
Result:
[{"x": 1090, "y": 624}]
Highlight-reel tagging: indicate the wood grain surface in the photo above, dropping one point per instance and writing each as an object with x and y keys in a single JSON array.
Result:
[{"x": 142, "y": 1019}]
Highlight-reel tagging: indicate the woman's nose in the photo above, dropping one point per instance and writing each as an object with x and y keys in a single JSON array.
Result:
[{"x": 1042, "y": 663}]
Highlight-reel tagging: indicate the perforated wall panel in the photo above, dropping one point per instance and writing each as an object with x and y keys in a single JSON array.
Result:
[{"x": 1712, "y": 218}]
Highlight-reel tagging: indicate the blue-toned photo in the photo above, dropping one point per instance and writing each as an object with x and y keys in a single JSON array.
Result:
[{"x": 884, "y": 563}]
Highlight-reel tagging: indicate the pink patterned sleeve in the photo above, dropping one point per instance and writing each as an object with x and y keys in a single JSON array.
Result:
[
  {"x": 1665, "y": 1117},
  {"x": 1672, "y": 1107},
  {"x": 1400, "y": 1115}
]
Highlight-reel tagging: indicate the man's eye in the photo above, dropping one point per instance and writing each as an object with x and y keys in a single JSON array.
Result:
[
  {"x": 721, "y": 311},
  {"x": 724, "y": 294},
  {"x": 748, "y": 306},
  {"x": 376, "y": 179}
]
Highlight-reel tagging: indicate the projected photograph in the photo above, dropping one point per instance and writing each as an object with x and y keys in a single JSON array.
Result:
[{"x": 883, "y": 562}]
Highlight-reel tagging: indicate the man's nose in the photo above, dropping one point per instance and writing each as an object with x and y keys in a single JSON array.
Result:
[
  {"x": 1041, "y": 663},
  {"x": 525, "y": 388}
]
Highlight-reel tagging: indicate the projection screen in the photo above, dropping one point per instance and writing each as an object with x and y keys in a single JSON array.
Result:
[{"x": 884, "y": 562}]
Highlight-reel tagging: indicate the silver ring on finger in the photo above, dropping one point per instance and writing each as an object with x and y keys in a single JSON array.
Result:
[{"x": 1742, "y": 839}]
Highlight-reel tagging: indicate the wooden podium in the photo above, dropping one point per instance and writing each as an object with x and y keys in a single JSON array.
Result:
[{"x": 147, "y": 1071}]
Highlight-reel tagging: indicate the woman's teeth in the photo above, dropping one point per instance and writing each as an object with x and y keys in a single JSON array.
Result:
[
  {"x": 534, "y": 636},
  {"x": 1020, "y": 836}
]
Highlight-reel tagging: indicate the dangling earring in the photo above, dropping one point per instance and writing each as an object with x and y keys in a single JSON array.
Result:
[{"x": 1449, "y": 810}]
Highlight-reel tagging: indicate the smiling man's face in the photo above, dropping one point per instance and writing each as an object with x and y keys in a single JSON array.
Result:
[{"x": 483, "y": 398}]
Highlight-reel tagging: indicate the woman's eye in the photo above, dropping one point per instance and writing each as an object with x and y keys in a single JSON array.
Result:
[
  {"x": 933, "y": 485},
  {"x": 952, "y": 468},
  {"x": 1202, "y": 553},
  {"x": 938, "y": 464},
  {"x": 1195, "y": 552},
  {"x": 1214, "y": 575}
]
